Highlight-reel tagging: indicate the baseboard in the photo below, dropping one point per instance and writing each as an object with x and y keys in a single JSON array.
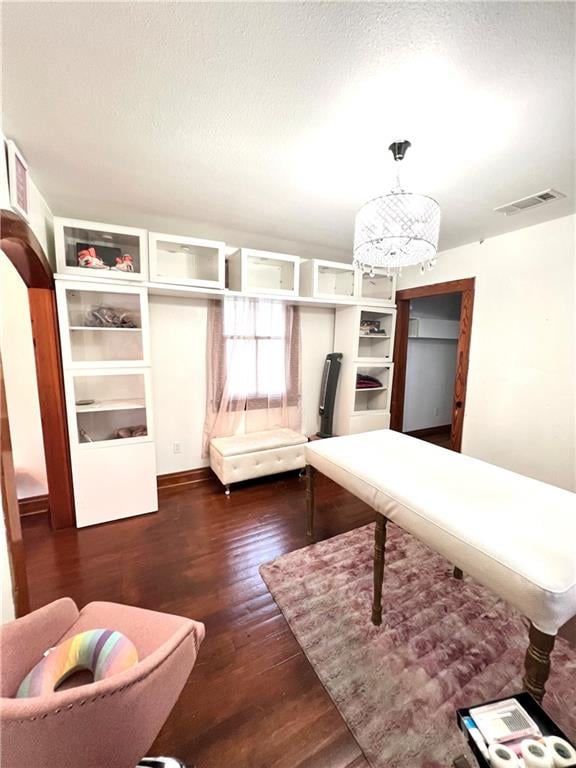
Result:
[
  {"x": 187, "y": 477},
  {"x": 34, "y": 505},
  {"x": 441, "y": 430}
]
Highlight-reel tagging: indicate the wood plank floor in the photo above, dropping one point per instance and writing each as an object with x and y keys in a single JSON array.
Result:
[{"x": 252, "y": 700}]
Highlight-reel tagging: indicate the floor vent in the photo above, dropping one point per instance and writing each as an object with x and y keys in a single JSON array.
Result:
[{"x": 541, "y": 198}]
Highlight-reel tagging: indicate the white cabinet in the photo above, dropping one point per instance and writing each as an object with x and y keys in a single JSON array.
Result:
[
  {"x": 115, "y": 484},
  {"x": 322, "y": 279},
  {"x": 102, "y": 324},
  {"x": 90, "y": 249},
  {"x": 105, "y": 351},
  {"x": 378, "y": 288},
  {"x": 186, "y": 260},
  {"x": 365, "y": 337},
  {"x": 263, "y": 272}
]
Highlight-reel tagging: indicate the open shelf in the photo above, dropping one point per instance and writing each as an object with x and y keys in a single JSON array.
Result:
[
  {"x": 88, "y": 328},
  {"x": 118, "y": 412},
  {"x": 112, "y": 405},
  {"x": 372, "y": 398},
  {"x": 375, "y": 345}
]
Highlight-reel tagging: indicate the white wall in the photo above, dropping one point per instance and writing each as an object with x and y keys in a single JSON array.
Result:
[
  {"x": 520, "y": 407},
  {"x": 17, "y": 351},
  {"x": 430, "y": 373},
  {"x": 178, "y": 341}
]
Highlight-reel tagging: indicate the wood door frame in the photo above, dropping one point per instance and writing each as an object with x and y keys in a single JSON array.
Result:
[
  {"x": 22, "y": 248},
  {"x": 465, "y": 287},
  {"x": 16, "y": 554}
]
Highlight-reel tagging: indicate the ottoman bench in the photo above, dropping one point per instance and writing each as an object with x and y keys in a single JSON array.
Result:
[{"x": 256, "y": 454}]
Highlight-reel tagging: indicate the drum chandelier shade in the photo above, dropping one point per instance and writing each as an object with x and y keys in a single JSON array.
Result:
[{"x": 399, "y": 229}]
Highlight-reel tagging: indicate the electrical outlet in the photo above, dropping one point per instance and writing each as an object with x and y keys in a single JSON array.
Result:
[
  {"x": 436, "y": 413},
  {"x": 177, "y": 447}
]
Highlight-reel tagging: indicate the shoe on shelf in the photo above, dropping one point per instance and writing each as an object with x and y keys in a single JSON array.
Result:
[{"x": 160, "y": 762}]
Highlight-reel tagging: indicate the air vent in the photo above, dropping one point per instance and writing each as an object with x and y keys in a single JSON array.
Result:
[{"x": 529, "y": 202}]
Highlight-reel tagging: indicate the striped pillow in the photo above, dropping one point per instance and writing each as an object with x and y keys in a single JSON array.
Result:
[{"x": 103, "y": 651}]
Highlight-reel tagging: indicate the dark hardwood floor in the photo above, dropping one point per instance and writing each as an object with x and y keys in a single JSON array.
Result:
[{"x": 252, "y": 700}]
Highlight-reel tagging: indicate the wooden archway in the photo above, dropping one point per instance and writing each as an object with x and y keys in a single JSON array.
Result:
[{"x": 27, "y": 255}]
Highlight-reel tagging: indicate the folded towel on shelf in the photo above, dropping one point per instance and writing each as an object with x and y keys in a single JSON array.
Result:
[{"x": 363, "y": 381}]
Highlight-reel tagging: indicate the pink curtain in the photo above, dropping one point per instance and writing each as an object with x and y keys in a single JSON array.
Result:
[{"x": 253, "y": 367}]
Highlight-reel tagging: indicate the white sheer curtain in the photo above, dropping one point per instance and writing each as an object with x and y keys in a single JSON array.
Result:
[{"x": 253, "y": 367}]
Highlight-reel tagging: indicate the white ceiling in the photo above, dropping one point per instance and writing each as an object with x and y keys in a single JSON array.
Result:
[{"x": 274, "y": 118}]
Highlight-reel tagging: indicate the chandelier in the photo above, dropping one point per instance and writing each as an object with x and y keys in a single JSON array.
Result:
[{"x": 399, "y": 229}]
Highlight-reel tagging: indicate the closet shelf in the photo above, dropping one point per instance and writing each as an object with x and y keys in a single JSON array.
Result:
[
  {"x": 371, "y": 389},
  {"x": 112, "y": 405}
]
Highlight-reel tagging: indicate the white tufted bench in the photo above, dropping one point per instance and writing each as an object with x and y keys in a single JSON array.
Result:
[{"x": 256, "y": 454}]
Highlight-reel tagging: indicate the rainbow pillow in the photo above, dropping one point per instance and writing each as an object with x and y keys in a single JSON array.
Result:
[{"x": 103, "y": 651}]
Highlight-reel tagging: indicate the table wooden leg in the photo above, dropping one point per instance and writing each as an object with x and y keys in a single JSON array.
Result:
[
  {"x": 379, "y": 548},
  {"x": 458, "y": 574},
  {"x": 310, "y": 472},
  {"x": 537, "y": 662}
]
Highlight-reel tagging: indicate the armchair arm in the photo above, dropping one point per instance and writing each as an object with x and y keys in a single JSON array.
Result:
[{"x": 22, "y": 642}]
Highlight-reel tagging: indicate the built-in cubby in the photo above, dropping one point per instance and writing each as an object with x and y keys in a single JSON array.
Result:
[
  {"x": 322, "y": 279},
  {"x": 111, "y": 406},
  {"x": 372, "y": 388},
  {"x": 263, "y": 272},
  {"x": 178, "y": 260},
  {"x": 102, "y": 324},
  {"x": 101, "y": 251},
  {"x": 377, "y": 287}
]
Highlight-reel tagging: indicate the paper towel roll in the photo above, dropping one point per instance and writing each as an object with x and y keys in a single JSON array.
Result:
[
  {"x": 502, "y": 756},
  {"x": 536, "y": 754},
  {"x": 563, "y": 754}
]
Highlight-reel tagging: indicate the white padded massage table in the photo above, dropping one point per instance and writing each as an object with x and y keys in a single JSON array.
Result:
[{"x": 514, "y": 535}]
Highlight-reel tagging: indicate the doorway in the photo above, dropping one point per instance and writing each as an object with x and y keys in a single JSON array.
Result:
[{"x": 431, "y": 353}]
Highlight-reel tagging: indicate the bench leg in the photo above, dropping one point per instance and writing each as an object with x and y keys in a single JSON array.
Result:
[
  {"x": 537, "y": 662},
  {"x": 458, "y": 574},
  {"x": 379, "y": 548},
  {"x": 310, "y": 472}
]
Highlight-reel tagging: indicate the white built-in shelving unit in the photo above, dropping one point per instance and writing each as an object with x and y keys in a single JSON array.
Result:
[
  {"x": 365, "y": 336},
  {"x": 105, "y": 274},
  {"x": 186, "y": 261},
  {"x": 104, "y": 332}
]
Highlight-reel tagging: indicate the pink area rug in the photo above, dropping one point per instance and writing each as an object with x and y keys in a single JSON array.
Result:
[{"x": 443, "y": 644}]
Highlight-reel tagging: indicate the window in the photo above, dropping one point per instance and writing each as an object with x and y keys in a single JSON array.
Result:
[{"x": 260, "y": 361}]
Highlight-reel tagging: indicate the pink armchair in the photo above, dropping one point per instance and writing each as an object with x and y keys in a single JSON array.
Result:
[{"x": 109, "y": 723}]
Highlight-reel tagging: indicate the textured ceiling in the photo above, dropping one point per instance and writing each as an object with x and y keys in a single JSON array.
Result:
[{"x": 274, "y": 118}]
